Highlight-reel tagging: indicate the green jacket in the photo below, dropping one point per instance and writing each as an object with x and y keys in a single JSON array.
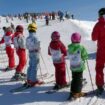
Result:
[{"x": 76, "y": 48}]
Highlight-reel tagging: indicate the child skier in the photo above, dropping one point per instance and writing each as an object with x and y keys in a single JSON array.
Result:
[
  {"x": 33, "y": 46},
  {"x": 58, "y": 51},
  {"x": 77, "y": 55},
  {"x": 19, "y": 43},
  {"x": 7, "y": 39}
]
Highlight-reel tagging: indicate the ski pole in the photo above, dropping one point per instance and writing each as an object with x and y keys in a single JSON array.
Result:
[
  {"x": 90, "y": 75},
  {"x": 68, "y": 72},
  {"x": 44, "y": 63},
  {"x": 40, "y": 71},
  {"x": 25, "y": 67}
]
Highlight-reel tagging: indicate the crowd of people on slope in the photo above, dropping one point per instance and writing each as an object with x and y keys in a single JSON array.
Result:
[
  {"x": 76, "y": 53},
  {"x": 32, "y": 17}
]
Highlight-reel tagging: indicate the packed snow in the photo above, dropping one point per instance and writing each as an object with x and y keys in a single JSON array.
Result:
[{"x": 37, "y": 95}]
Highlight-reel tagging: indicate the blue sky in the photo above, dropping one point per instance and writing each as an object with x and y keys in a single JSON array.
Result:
[{"x": 82, "y": 9}]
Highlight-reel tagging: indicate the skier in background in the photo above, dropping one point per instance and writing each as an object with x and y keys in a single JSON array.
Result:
[
  {"x": 61, "y": 16},
  {"x": 58, "y": 51},
  {"x": 33, "y": 46},
  {"x": 47, "y": 19},
  {"x": 77, "y": 55},
  {"x": 98, "y": 34},
  {"x": 7, "y": 39},
  {"x": 67, "y": 15},
  {"x": 19, "y": 43},
  {"x": 13, "y": 27}
]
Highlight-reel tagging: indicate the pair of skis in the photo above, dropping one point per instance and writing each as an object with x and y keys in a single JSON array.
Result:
[
  {"x": 23, "y": 87},
  {"x": 51, "y": 91},
  {"x": 56, "y": 90}
]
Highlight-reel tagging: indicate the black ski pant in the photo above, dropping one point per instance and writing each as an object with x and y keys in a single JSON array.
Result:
[{"x": 76, "y": 83}]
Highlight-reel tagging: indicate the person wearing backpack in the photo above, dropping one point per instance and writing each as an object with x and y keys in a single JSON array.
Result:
[
  {"x": 19, "y": 43},
  {"x": 77, "y": 55},
  {"x": 33, "y": 46},
  {"x": 57, "y": 51},
  {"x": 98, "y": 34}
]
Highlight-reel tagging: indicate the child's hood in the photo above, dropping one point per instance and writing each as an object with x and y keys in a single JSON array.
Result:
[
  {"x": 32, "y": 34},
  {"x": 55, "y": 45},
  {"x": 72, "y": 48},
  {"x": 18, "y": 34}
]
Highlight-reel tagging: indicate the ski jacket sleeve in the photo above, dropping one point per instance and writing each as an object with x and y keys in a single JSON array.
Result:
[
  {"x": 2, "y": 40},
  {"x": 84, "y": 54},
  {"x": 63, "y": 49},
  {"x": 95, "y": 32},
  {"x": 49, "y": 51}
]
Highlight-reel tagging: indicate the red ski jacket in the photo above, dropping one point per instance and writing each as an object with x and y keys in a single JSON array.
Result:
[
  {"x": 98, "y": 35},
  {"x": 7, "y": 39}
]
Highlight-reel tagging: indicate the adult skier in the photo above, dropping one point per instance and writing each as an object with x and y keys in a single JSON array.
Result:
[{"x": 98, "y": 34}]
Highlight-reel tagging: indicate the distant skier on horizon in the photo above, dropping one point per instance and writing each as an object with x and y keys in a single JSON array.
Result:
[
  {"x": 61, "y": 16},
  {"x": 47, "y": 19}
]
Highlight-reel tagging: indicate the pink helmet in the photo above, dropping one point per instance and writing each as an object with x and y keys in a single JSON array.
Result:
[
  {"x": 76, "y": 38},
  {"x": 55, "y": 36}
]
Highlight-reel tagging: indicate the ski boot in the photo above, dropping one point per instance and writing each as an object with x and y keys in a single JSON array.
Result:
[
  {"x": 99, "y": 90},
  {"x": 18, "y": 77},
  {"x": 9, "y": 69}
]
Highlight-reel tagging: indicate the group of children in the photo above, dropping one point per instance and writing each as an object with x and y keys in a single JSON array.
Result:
[
  {"x": 15, "y": 42},
  {"x": 76, "y": 53}
]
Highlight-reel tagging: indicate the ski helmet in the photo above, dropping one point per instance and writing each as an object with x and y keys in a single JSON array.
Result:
[
  {"x": 55, "y": 36},
  {"x": 32, "y": 27},
  {"x": 76, "y": 38},
  {"x": 101, "y": 12},
  {"x": 19, "y": 28}
]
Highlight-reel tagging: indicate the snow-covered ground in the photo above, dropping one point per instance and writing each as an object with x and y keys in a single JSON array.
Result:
[{"x": 37, "y": 95}]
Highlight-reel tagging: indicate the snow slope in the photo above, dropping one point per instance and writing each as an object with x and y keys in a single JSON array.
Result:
[{"x": 37, "y": 96}]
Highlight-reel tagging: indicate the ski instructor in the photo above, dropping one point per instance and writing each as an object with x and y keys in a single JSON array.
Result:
[{"x": 98, "y": 35}]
